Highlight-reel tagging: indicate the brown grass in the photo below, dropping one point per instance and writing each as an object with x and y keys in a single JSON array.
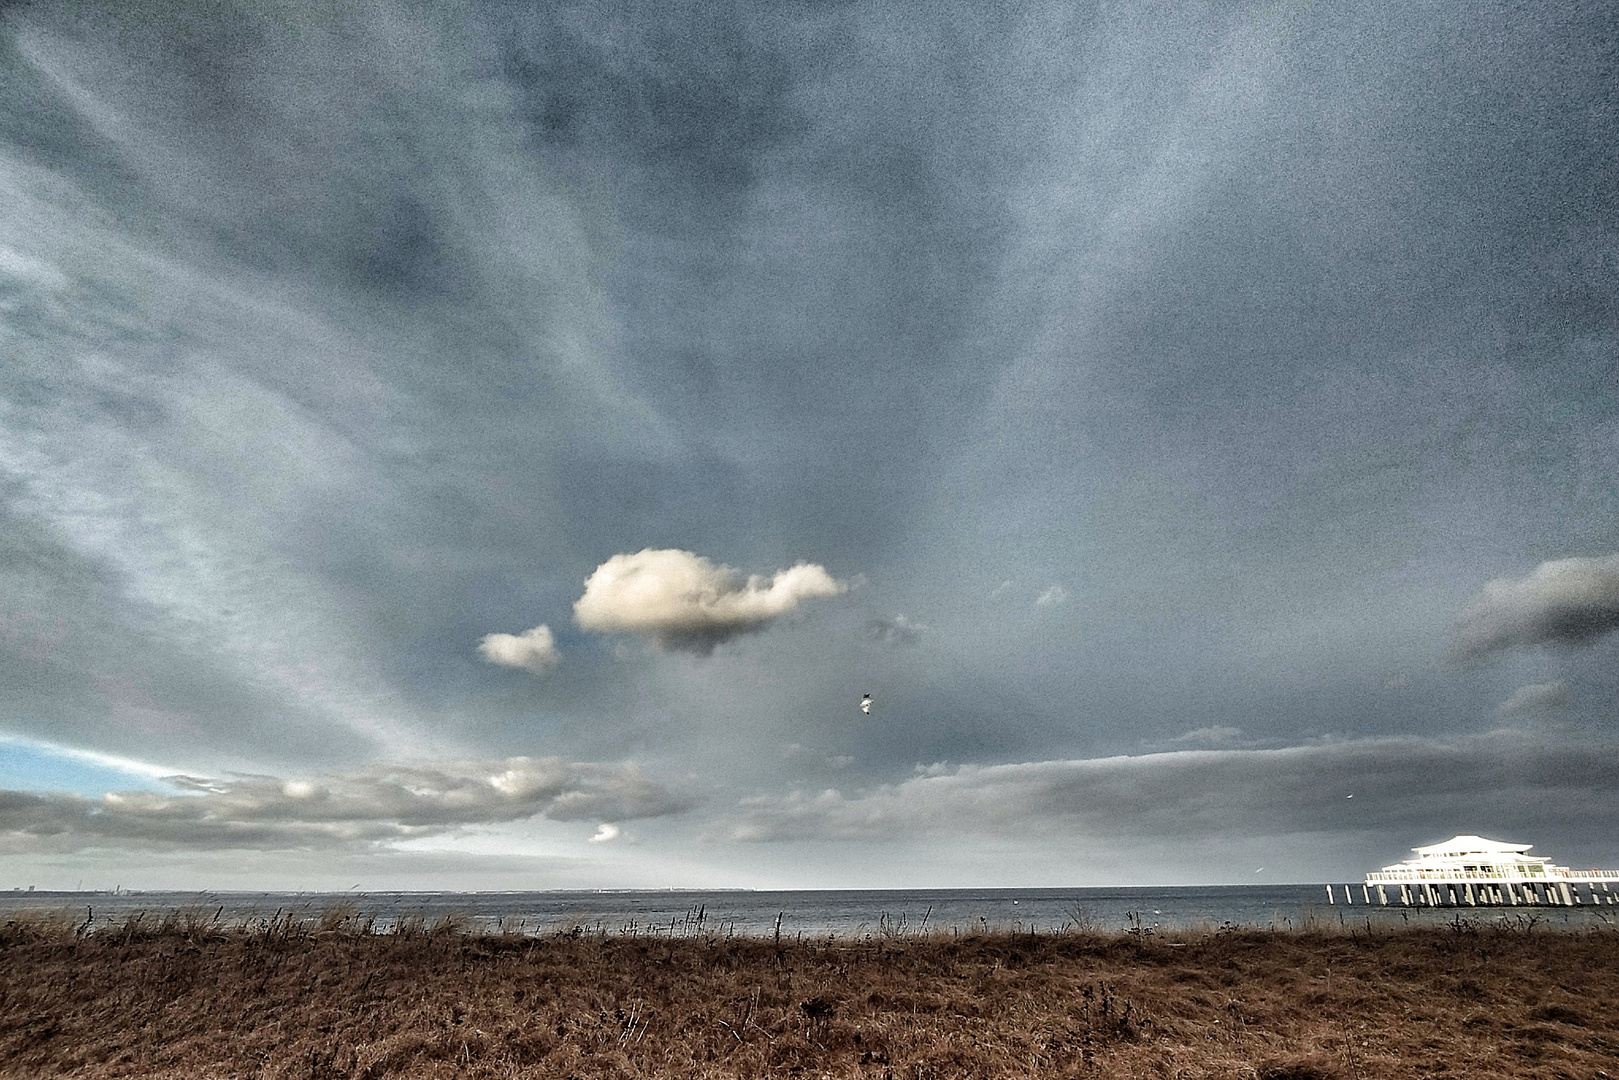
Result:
[{"x": 284, "y": 997}]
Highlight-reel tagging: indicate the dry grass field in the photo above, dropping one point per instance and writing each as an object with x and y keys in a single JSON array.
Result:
[{"x": 286, "y": 998}]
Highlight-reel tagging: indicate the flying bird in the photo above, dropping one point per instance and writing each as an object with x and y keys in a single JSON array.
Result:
[{"x": 865, "y": 704}]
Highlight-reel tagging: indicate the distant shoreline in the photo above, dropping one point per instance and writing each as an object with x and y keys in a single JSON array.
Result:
[{"x": 841, "y": 913}]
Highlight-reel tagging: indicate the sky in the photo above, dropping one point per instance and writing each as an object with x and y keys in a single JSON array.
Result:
[{"x": 497, "y": 445}]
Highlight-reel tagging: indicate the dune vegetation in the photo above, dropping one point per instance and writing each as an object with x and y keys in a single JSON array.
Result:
[{"x": 338, "y": 996}]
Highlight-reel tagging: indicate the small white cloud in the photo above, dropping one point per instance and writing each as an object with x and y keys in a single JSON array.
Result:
[
  {"x": 606, "y": 833},
  {"x": 1052, "y": 597},
  {"x": 898, "y": 630},
  {"x": 680, "y": 600},
  {"x": 1534, "y": 698},
  {"x": 1564, "y": 600},
  {"x": 533, "y": 650},
  {"x": 840, "y": 761}
]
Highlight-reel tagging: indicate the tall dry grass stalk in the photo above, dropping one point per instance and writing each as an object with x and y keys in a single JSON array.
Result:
[{"x": 183, "y": 994}]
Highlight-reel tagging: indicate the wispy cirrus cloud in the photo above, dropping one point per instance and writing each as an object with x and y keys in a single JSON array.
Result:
[
  {"x": 355, "y": 808},
  {"x": 680, "y": 600},
  {"x": 898, "y": 630}
]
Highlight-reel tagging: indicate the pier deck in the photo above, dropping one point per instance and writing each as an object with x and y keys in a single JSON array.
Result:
[{"x": 1470, "y": 871}]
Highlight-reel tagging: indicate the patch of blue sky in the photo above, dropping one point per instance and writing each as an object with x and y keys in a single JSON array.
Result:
[{"x": 26, "y": 765}]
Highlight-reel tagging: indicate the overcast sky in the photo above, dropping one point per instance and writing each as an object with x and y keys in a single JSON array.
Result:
[{"x": 497, "y": 445}]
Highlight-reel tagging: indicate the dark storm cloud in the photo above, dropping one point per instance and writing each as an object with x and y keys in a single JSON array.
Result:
[
  {"x": 1564, "y": 600},
  {"x": 348, "y": 809},
  {"x": 1526, "y": 780},
  {"x": 809, "y": 220}
]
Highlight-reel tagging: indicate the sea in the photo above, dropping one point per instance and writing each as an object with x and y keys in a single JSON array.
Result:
[{"x": 807, "y": 914}]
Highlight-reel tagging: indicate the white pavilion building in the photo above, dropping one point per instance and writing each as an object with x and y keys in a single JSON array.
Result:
[{"x": 1470, "y": 870}]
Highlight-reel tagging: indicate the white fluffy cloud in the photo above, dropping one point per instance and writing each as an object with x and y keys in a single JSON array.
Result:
[
  {"x": 1505, "y": 780},
  {"x": 1561, "y": 600},
  {"x": 354, "y": 808},
  {"x": 533, "y": 650},
  {"x": 683, "y": 601}
]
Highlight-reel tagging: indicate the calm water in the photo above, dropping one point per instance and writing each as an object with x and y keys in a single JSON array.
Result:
[{"x": 809, "y": 913}]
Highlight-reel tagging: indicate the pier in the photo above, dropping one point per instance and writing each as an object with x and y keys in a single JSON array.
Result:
[{"x": 1470, "y": 871}]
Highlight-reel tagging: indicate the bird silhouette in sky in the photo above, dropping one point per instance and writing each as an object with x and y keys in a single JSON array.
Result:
[{"x": 865, "y": 704}]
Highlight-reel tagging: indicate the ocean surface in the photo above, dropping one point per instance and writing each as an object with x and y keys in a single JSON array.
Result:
[{"x": 806, "y": 914}]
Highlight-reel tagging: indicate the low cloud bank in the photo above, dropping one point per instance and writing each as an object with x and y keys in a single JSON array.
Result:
[
  {"x": 533, "y": 650},
  {"x": 354, "y": 808},
  {"x": 680, "y": 600},
  {"x": 1502, "y": 780},
  {"x": 1564, "y": 600}
]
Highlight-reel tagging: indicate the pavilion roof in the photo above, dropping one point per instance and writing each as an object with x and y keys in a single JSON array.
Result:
[{"x": 1471, "y": 845}]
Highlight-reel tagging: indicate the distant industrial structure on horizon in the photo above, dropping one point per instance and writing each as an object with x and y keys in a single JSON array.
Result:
[{"x": 1470, "y": 871}]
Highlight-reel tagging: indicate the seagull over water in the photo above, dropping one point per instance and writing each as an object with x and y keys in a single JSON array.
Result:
[{"x": 865, "y": 704}]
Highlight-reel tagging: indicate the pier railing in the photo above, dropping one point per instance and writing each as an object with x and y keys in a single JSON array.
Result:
[
  {"x": 1456, "y": 876},
  {"x": 1455, "y": 888}
]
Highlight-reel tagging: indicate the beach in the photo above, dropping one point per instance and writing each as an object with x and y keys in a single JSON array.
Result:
[{"x": 187, "y": 995}]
